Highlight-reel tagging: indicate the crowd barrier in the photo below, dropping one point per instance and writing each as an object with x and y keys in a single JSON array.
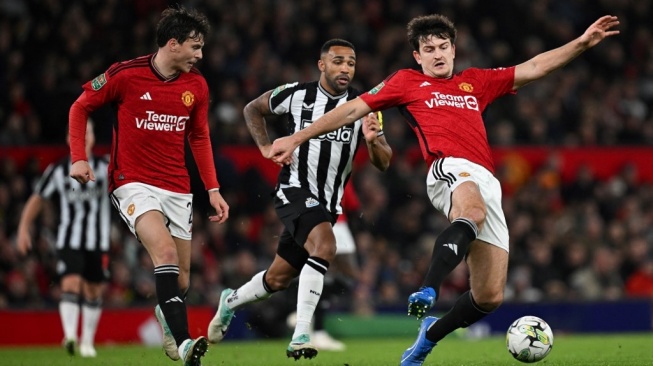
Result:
[
  {"x": 131, "y": 325},
  {"x": 573, "y": 317},
  {"x": 519, "y": 161},
  {"x": 139, "y": 326}
]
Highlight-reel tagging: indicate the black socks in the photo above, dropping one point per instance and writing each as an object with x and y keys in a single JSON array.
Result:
[
  {"x": 450, "y": 248},
  {"x": 464, "y": 313},
  {"x": 171, "y": 302}
]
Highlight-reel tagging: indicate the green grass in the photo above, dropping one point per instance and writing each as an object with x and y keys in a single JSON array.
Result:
[{"x": 618, "y": 350}]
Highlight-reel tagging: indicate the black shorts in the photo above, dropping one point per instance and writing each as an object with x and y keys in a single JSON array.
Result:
[
  {"x": 300, "y": 216},
  {"x": 93, "y": 266}
]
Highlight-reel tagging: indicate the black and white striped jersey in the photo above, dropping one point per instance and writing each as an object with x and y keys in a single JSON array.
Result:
[
  {"x": 84, "y": 209},
  {"x": 322, "y": 164}
]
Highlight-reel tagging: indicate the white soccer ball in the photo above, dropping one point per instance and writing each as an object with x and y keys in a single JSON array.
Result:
[{"x": 529, "y": 339}]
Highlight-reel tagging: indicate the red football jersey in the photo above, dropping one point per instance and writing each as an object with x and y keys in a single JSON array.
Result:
[
  {"x": 445, "y": 114},
  {"x": 155, "y": 116}
]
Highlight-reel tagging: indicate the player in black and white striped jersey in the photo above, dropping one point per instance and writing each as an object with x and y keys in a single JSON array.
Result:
[
  {"x": 309, "y": 191},
  {"x": 82, "y": 243},
  {"x": 323, "y": 164}
]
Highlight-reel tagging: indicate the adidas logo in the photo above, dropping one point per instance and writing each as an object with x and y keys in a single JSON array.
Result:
[
  {"x": 175, "y": 299},
  {"x": 426, "y": 83},
  {"x": 311, "y": 202},
  {"x": 146, "y": 96},
  {"x": 453, "y": 247}
]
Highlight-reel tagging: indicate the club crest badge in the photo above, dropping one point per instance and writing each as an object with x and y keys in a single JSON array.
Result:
[
  {"x": 466, "y": 87},
  {"x": 188, "y": 98}
]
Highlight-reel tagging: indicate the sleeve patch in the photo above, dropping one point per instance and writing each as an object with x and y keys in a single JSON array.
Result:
[
  {"x": 279, "y": 89},
  {"x": 98, "y": 82},
  {"x": 376, "y": 89}
]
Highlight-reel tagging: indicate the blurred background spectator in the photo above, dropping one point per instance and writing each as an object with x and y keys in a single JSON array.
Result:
[{"x": 582, "y": 238}]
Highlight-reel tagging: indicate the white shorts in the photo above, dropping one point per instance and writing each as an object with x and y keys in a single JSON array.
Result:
[
  {"x": 134, "y": 199},
  {"x": 345, "y": 243},
  {"x": 446, "y": 174}
]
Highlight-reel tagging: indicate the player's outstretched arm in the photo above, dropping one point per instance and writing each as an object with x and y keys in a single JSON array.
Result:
[
  {"x": 77, "y": 121},
  {"x": 544, "y": 63},
  {"x": 377, "y": 147},
  {"x": 342, "y": 115},
  {"x": 220, "y": 205},
  {"x": 254, "y": 114},
  {"x": 27, "y": 217}
]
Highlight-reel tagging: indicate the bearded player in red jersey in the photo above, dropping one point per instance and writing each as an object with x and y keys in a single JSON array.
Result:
[
  {"x": 444, "y": 110},
  {"x": 162, "y": 100}
]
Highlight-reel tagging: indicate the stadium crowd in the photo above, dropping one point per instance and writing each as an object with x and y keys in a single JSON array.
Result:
[{"x": 584, "y": 239}]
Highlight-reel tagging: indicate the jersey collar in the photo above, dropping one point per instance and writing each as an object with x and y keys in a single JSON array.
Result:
[
  {"x": 341, "y": 95},
  {"x": 160, "y": 76}
]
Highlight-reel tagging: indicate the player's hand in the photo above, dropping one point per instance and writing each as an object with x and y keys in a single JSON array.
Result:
[
  {"x": 281, "y": 151},
  {"x": 24, "y": 241},
  {"x": 221, "y": 207},
  {"x": 82, "y": 172},
  {"x": 371, "y": 126},
  {"x": 599, "y": 30}
]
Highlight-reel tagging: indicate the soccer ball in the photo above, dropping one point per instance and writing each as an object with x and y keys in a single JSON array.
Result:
[{"x": 529, "y": 339}]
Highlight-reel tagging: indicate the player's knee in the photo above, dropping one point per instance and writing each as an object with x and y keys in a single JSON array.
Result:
[
  {"x": 325, "y": 250},
  {"x": 489, "y": 300},
  {"x": 72, "y": 283},
  {"x": 476, "y": 214},
  {"x": 166, "y": 255},
  {"x": 278, "y": 281},
  {"x": 321, "y": 243},
  {"x": 329, "y": 253}
]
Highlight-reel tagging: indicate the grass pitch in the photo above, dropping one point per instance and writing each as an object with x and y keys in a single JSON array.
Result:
[{"x": 568, "y": 350}]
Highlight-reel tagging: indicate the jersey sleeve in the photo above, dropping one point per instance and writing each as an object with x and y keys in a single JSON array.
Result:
[
  {"x": 45, "y": 185},
  {"x": 497, "y": 82},
  {"x": 105, "y": 88},
  {"x": 199, "y": 139},
  {"x": 280, "y": 98},
  {"x": 97, "y": 92},
  {"x": 389, "y": 93}
]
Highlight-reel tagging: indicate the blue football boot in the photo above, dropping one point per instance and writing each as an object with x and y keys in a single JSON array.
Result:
[
  {"x": 420, "y": 302},
  {"x": 416, "y": 354}
]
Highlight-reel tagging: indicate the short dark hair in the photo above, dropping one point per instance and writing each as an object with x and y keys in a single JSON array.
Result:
[
  {"x": 420, "y": 28},
  {"x": 335, "y": 42},
  {"x": 181, "y": 24}
]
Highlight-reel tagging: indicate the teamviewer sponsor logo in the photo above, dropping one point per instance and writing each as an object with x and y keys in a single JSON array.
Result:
[
  {"x": 162, "y": 122},
  {"x": 344, "y": 134},
  {"x": 449, "y": 100}
]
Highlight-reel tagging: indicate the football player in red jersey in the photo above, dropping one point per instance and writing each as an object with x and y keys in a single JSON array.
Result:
[
  {"x": 162, "y": 100},
  {"x": 444, "y": 110}
]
